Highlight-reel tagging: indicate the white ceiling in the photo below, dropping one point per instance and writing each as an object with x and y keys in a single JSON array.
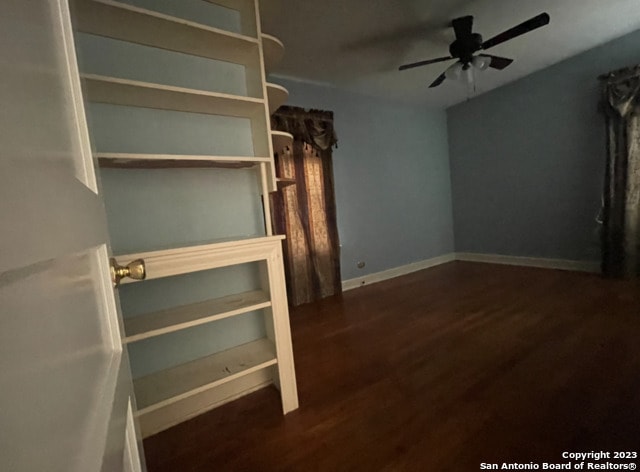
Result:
[{"x": 359, "y": 44}]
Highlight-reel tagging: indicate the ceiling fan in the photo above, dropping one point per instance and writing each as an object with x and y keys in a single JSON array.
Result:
[{"x": 468, "y": 43}]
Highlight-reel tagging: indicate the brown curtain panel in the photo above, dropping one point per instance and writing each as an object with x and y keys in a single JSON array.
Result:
[
  {"x": 304, "y": 207},
  {"x": 621, "y": 202}
]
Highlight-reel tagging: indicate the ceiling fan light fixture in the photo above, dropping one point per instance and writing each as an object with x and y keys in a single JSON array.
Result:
[
  {"x": 481, "y": 62},
  {"x": 454, "y": 72},
  {"x": 468, "y": 43}
]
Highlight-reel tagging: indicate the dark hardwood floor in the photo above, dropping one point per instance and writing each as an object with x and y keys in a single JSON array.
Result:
[{"x": 439, "y": 370}]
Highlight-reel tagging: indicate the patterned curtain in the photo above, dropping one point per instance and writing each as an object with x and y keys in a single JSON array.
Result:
[
  {"x": 305, "y": 211},
  {"x": 621, "y": 202}
]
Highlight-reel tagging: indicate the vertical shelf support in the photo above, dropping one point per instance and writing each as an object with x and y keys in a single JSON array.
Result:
[
  {"x": 279, "y": 331},
  {"x": 265, "y": 199},
  {"x": 263, "y": 77}
]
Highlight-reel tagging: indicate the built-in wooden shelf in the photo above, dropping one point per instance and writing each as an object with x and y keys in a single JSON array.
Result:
[
  {"x": 166, "y": 161},
  {"x": 125, "y": 22},
  {"x": 179, "y": 392},
  {"x": 285, "y": 182},
  {"x": 273, "y": 51},
  {"x": 116, "y": 91},
  {"x": 177, "y": 383},
  {"x": 247, "y": 13},
  {"x": 280, "y": 140},
  {"x": 277, "y": 96},
  {"x": 187, "y": 316}
]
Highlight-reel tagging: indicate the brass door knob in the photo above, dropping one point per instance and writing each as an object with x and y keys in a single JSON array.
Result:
[{"x": 134, "y": 270}]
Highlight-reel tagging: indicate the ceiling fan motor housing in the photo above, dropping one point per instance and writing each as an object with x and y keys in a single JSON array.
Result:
[{"x": 464, "y": 47}]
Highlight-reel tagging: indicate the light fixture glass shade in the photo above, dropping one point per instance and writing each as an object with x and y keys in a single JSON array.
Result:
[
  {"x": 453, "y": 72},
  {"x": 470, "y": 76},
  {"x": 481, "y": 63}
]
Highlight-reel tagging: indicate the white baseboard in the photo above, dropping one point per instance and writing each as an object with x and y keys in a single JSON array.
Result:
[
  {"x": 396, "y": 272},
  {"x": 560, "y": 264}
]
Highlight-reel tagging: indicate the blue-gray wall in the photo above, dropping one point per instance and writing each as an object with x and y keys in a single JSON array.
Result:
[
  {"x": 527, "y": 160},
  {"x": 392, "y": 180}
]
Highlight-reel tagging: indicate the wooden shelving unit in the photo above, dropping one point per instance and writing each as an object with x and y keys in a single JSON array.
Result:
[
  {"x": 134, "y": 93},
  {"x": 125, "y": 22},
  {"x": 121, "y": 21},
  {"x": 280, "y": 140},
  {"x": 277, "y": 96},
  {"x": 179, "y": 383},
  {"x": 163, "y": 161},
  {"x": 179, "y": 392},
  {"x": 271, "y": 299},
  {"x": 187, "y": 316},
  {"x": 273, "y": 51}
]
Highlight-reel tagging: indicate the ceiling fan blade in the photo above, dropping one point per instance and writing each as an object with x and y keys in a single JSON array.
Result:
[
  {"x": 463, "y": 26},
  {"x": 529, "y": 25},
  {"x": 498, "y": 62},
  {"x": 438, "y": 81},
  {"x": 424, "y": 63}
]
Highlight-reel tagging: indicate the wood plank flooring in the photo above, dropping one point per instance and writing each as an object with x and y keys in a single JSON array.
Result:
[{"x": 439, "y": 370}]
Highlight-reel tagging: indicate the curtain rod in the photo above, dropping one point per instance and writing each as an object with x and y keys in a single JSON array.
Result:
[{"x": 291, "y": 110}]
